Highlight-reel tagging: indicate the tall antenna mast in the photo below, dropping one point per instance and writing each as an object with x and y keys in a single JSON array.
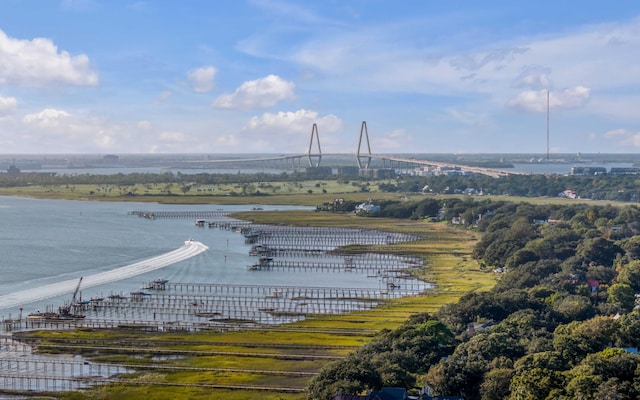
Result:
[{"x": 547, "y": 125}]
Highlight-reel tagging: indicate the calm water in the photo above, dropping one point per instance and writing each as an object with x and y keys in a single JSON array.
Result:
[
  {"x": 162, "y": 170},
  {"x": 530, "y": 168},
  {"x": 48, "y": 241}
]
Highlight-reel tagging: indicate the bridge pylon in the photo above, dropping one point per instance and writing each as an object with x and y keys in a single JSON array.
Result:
[
  {"x": 314, "y": 132},
  {"x": 363, "y": 129}
]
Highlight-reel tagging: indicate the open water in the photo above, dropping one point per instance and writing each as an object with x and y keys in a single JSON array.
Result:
[{"x": 45, "y": 244}]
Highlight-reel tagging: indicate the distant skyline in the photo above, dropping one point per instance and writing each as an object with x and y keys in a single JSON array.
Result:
[{"x": 113, "y": 76}]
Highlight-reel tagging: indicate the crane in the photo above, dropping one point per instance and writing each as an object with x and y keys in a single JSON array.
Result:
[
  {"x": 66, "y": 310},
  {"x": 75, "y": 292}
]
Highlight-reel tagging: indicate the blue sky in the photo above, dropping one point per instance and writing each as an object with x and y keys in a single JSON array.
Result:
[{"x": 112, "y": 76}]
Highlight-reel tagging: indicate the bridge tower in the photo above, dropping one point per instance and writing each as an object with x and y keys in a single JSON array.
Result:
[
  {"x": 363, "y": 129},
  {"x": 314, "y": 132}
]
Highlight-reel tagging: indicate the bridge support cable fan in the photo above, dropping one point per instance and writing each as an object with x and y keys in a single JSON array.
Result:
[
  {"x": 310, "y": 157},
  {"x": 363, "y": 129}
]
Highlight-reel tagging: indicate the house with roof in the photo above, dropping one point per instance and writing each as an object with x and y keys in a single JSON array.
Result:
[{"x": 367, "y": 208}]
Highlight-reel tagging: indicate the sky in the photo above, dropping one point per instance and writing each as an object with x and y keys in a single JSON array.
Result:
[{"x": 253, "y": 76}]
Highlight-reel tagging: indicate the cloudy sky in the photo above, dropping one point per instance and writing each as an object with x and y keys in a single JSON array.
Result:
[{"x": 244, "y": 76}]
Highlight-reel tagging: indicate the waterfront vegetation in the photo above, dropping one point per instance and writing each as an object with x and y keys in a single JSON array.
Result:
[
  {"x": 210, "y": 188},
  {"x": 298, "y": 193},
  {"x": 555, "y": 326}
]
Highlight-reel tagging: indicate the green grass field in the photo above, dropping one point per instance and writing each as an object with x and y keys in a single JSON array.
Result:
[{"x": 272, "y": 193}]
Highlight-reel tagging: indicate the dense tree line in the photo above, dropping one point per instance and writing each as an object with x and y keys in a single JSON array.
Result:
[
  {"x": 555, "y": 326},
  {"x": 597, "y": 187},
  {"x": 146, "y": 178}
]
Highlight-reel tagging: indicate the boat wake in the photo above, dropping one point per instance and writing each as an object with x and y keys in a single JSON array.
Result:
[{"x": 190, "y": 249}]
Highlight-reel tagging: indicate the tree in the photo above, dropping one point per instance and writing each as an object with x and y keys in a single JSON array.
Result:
[
  {"x": 576, "y": 340},
  {"x": 464, "y": 371},
  {"x": 631, "y": 247},
  {"x": 574, "y": 307},
  {"x": 598, "y": 250},
  {"x": 608, "y": 374},
  {"x": 621, "y": 295},
  {"x": 352, "y": 375},
  {"x": 535, "y": 384},
  {"x": 496, "y": 384},
  {"x": 630, "y": 275},
  {"x": 426, "y": 208},
  {"x": 630, "y": 329}
]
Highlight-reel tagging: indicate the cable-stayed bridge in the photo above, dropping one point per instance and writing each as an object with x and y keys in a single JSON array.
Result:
[{"x": 363, "y": 157}]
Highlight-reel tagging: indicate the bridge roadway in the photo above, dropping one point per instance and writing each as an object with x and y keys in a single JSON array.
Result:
[{"x": 493, "y": 172}]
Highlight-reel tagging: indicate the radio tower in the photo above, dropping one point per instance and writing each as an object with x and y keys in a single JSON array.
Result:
[{"x": 547, "y": 125}]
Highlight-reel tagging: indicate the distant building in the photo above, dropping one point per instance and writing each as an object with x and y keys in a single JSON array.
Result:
[
  {"x": 110, "y": 159},
  {"x": 588, "y": 170},
  {"x": 367, "y": 208},
  {"x": 624, "y": 171},
  {"x": 569, "y": 194}
]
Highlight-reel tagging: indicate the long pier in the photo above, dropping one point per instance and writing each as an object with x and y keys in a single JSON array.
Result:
[
  {"x": 379, "y": 270},
  {"x": 293, "y": 291},
  {"x": 202, "y": 214}
]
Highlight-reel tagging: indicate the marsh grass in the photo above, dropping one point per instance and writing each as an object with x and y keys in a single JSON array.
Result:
[{"x": 293, "y": 193}]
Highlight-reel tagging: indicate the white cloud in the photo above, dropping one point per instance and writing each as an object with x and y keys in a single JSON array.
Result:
[
  {"x": 290, "y": 131},
  {"x": 49, "y": 118},
  {"x": 7, "y": 105},
  {"x": 59, "y": 131},
  {"x": 54, "y": 130},
  {"x": 201, "y": 79},
  {"x": 260, "y": 93},
  {"x": 38, "y": 63},
  {"x": 293, "y": 121},
  {"x": 623, "y": 138},
  {"x": 361, "y": 58},
  {"x": 536, "y": 100}
]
